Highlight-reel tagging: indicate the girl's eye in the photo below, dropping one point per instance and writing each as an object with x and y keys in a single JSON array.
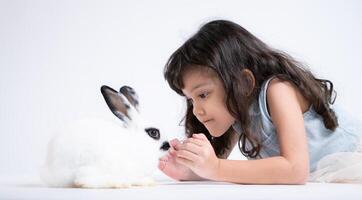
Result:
[{"x": 203, "y": 95}]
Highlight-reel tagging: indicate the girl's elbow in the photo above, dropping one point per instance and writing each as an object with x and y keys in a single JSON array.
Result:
[
  {"x": 300, "y": 176},
  {"x": 300, "y": 180}
]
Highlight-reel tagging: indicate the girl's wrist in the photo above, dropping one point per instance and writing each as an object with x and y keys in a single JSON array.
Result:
[{"x": 215, "y": 174}]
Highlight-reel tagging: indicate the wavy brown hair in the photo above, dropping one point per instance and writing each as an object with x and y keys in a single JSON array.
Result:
[{"x": 229, "y": 49}]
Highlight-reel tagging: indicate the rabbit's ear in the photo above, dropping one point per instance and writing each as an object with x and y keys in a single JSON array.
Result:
[
  {"x": 130, "y": 94},
  {"x": 116, "y": 102}
]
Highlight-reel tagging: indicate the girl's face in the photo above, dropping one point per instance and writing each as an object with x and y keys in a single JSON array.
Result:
[{"x": 206, "y": 92}]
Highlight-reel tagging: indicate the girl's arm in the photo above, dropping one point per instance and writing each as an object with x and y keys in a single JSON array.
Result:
[
  {"x": 273, "y": 170},
  {"x": 286, "y": 107}
]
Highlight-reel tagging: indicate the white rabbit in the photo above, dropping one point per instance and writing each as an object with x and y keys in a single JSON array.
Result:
[{"x": 95, "y": 153}]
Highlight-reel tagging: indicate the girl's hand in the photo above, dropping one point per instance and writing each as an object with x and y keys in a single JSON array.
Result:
[
  {"x": 168, "y": 165},
  {"x": 198, "y": 154}
]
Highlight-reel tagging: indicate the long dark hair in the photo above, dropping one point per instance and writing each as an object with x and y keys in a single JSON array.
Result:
[{"x": 229, "y": 49}]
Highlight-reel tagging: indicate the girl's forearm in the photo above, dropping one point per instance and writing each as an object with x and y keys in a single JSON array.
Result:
[{"x": 274, "y": 170}]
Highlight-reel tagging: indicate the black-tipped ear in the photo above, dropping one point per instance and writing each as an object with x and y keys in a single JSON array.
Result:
[
  {"x": 116, "y": 103},
  {"x": 130, "y": 94}
]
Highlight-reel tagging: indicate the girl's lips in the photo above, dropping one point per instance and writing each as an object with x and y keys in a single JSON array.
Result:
[{"x": 206, "y": 121}]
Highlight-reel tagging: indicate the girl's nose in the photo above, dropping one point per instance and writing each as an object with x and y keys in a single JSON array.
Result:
[{"x": 198, "y": 110}]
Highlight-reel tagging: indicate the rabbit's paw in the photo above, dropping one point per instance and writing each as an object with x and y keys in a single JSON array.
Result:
[
  {"x": 120, "y": 185},
  {"x": 146, "y": 181},
  {"x": 87, "y": 183},
  {"x": 89, "y": 177}
]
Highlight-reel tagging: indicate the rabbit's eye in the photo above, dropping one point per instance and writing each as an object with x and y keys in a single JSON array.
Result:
[{"x": 153, "y": 133}]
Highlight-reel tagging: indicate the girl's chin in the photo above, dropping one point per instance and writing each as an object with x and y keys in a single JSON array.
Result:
[{"x": 215, "y": 134}]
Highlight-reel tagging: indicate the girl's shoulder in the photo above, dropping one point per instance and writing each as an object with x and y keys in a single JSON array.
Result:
[{"x": 277, "y": 88}]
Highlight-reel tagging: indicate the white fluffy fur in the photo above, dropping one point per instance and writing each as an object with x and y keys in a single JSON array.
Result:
[{"x": 94, "y": 153}]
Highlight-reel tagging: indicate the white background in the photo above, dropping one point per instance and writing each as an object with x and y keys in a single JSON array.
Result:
[{"x": 55, "y": 55}]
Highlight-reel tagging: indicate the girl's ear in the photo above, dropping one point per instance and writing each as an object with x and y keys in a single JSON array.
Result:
[{"x": 248, "y": 80}]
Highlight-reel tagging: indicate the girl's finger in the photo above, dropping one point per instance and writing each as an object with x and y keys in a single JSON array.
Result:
[
  {"x": 191, "y": 147},
  {"x": 172, "y": 151},
  {"x": 197, "y": 142},
  {"x": 162, "y": 165},
  {"x": 199, "y": 136},
  {"x": 174, "y": 142},
  {"x": 184, "y": 162},
  {"x": 186, "y": 155}
]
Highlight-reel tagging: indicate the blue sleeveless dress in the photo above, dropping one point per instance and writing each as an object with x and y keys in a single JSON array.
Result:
[{"x": 321, "y": 141}]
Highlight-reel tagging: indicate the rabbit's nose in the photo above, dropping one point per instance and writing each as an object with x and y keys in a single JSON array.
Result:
[{"x": 165, "y": 146}]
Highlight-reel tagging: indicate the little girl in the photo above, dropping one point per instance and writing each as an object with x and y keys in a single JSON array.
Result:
[{"x": 240, "y": 91}]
